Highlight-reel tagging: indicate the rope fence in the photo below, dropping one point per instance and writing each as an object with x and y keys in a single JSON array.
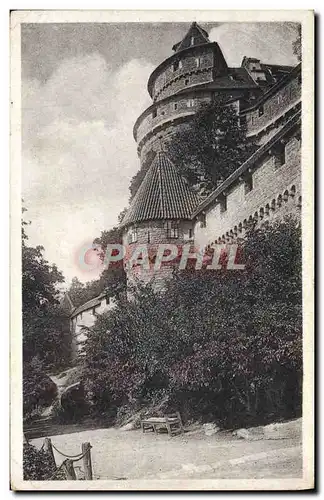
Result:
[{"x": 67, "y": 464}]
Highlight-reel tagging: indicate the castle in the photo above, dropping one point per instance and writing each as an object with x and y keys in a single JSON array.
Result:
[{"x": 265, "y": 187}]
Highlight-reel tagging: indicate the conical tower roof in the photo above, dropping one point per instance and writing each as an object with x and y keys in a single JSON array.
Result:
[
  {"x": 163, "y": 194},
  {"x": 200, "y": 36}
]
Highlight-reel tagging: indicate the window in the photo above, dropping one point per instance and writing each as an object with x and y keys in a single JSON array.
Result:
[
  {"x": 191, "y": 103},
  {"x": 192, "y": 40},
  {"x": 94, "y": 311},
  {"x": 187, "y": 81},
  {"x": 293, "y": 191},
  {"x": 248, "y": 184},
  {"x": 242, "y": 120},
  {"x": 267, "y": 209},
  {"x": 261, "y": 213},
  {"x": 133, "y": 235},
  {"x": 285, "y": 196},
  {"x": 154, "y": 113},
  {"x": 280, "y": 156},
  {"x": 172, "y": 229},
  {"x": 176, "y": 65},
  {"x": 223, "y": 203},
  {"x": 203, "y": 220},
  {"x": 148, "y": 237},
  {"x": 261, "y": 110},
  {"x": 279, "y": 200},
  {"x": 190, "y": 234},
  {"x": 107, "y": 300},
  {"x": 198, "y": 62},
  {"x": 175, "y": 106}
]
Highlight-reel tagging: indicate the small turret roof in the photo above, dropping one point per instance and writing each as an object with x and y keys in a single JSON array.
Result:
[
  {"x": 163, "y": 194},
  {"x": 195, "y": 30}
]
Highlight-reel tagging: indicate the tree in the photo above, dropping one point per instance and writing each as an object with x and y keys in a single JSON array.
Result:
[
  {"x": 45, "y": 326},
  {"x": 228, "y": 343},
  {"x": 211, "y": 147}
]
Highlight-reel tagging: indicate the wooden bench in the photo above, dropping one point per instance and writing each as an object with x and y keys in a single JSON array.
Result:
[{"x": 172, "y": 423}]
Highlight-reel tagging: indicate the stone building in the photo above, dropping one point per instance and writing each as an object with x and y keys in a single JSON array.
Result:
[
  {"x": 83, "y": 317},
  {"x": 267, "y": 186}
]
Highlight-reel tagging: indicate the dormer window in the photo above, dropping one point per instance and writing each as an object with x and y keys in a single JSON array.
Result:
[
  {"x": 198, "y": 62},
  {"x": 154, "y": 113},
  {"x": 177, "y": 65},
  {"x": 261, "y": 110},
  {"x": 191, "y": 103},
  {"x": 192, "y": 40}
]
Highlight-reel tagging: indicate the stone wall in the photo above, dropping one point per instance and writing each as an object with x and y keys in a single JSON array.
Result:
[
  {"x": 262, "y": 120},
  {"x": 173, "y": 109},
  {"x": 196, "y": 64},
  {"x": 86, "y": 318},
  {"x": 276, "y": 192},
  {"x": 152, "y": 233}
]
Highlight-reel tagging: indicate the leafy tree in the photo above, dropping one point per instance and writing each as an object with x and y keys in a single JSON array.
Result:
[
  {"x": 45, "y": 326},
  {"x": 211, "y": 147}
]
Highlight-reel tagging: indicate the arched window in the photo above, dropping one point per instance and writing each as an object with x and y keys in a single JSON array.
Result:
[
  {"x": 273, "y": 204},
  {"x": 279, "y": 200},
  {"x": 299, "y": 204},
  {"x": 285, "y": 196},
  {"x": 244, "y": 224},
  {"x": 235, "y": 230},
  {"x": 240, "y": 227},
  {"x": 267, "y": 209},
  {"x": 293, "y": 191},
  {"x": 256, "y": 216},
  {"x": 261, "y": 213}
]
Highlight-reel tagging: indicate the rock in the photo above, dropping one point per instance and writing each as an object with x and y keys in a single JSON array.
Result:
[
  {"x": 285, "y": 430},
  {"x": 128, "y": 427},
  {"x": 210, "y": 429},
  {"x": 242, "y": 434}
]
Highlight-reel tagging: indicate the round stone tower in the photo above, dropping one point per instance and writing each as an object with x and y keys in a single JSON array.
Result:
[
  {"x": 193, "y": 75},
  {"x": 161, "y": 210},
  {"x": 160, "y": 213}
]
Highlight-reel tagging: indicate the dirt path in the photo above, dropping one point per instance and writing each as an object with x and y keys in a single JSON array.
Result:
[{"x": 133, "y": 455}]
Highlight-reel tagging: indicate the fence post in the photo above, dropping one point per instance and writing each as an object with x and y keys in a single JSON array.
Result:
[
  {"x": 49, "y": 449},
  {"x": 86, "y": 450},
  {"x": 69, "y": 469}
]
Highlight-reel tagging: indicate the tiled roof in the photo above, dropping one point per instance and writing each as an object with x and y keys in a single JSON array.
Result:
[
  {"x": 163, "y": 194},
  {"x": 88, "y": 305}
]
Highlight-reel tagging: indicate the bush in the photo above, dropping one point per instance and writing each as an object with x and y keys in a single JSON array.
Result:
[
  {"x": 225, "y": 345},
  {"x": 37, "y": 464},
  {"x": 39, "y": 390}
]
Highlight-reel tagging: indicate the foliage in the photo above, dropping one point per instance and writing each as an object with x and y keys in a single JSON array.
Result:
[
  {"x": 37, "y": 464},
  {"x": 39, "y": 390},
  {"x": 112, "y": 280},
  {"x": 45, "y": 326},
  {"x": 211, "y": 147},
  {"x": 228, "y": 343}
]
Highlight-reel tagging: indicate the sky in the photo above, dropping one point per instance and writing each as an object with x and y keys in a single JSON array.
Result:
[{"x": 83, "y": 87}]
